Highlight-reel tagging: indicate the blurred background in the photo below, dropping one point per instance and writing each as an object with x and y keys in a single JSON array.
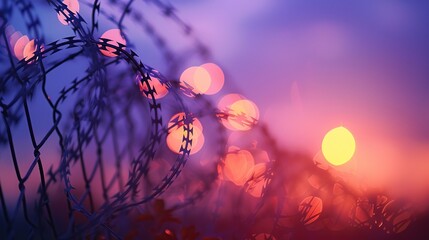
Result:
[
  {"x": 308, "y": 65},
  {"x": 311, "y": 66}
]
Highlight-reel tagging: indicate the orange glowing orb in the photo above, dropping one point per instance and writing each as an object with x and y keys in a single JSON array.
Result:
[
  {"x": 238, "y": 166},
  {"x": 338, "y": 146},
  {"x": 256, "y": 182},
  {"x": 216, "y": 76},
  {"x": 196, "y": 79},
  {"x": 177, "y": 133},
  {"x": 73, "y": 6},
  {"x": 240, "y": 114},
  {"x": 23, "y": 47},
  {"x": 29, "y": 49},
  {"x": 160, "y": 89},
  {"x": 205, "y": 79},
  {"x": 19, "y": 46},
  {"x": 310, "y": 208},
  {"x": 115, "y": 37}
]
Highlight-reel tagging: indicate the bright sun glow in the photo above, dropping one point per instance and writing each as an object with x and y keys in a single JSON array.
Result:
[{"x": 338, "y": 146}]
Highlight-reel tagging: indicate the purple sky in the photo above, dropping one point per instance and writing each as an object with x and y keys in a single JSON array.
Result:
[
  {"x": 314, "y": 65},
  {"x": 311, "y": 66}
]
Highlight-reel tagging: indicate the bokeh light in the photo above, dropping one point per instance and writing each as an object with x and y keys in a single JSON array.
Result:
[
  {"x": 29, "y": 49},
  {"x": 161, "y": 90},
  {"x": 217, "y": 78},
  {"x": 19, "y": 46},
  {"x": 196, "y": 79},
  {"x": 13, "y": 38},
  {"x": 22, "y": 46},
  {"x": 310, "y": 208},
  {"x": 73, "y": 6},
  {"x": 240, "y": 114},
  {"x": 338, "y": 146},
  {"x": 115, "y": 37},
  {"x": 256, "y": 182},
  {"x": 238, "y": 166},
  {"x": 205, "y": 79},
  {"x": 177, "y": 133}
]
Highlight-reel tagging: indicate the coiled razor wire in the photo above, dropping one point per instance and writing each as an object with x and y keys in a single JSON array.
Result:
[{"x": 108, "y": 179}]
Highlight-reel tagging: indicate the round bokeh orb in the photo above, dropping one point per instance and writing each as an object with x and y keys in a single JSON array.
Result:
[{"x": 338, "y": 146}]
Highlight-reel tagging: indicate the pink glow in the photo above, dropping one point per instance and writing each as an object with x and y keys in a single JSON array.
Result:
[
  {"x": 20, "y": 44},
  {"x": 73, "y": 6},
  {"x": 116, "y": 37}
]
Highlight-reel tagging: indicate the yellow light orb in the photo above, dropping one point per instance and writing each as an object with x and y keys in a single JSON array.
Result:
[{"x": 338, "y": 146}]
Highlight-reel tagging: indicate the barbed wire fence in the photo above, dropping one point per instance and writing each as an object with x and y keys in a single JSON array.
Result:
[{"x": 97, "y": 141}]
